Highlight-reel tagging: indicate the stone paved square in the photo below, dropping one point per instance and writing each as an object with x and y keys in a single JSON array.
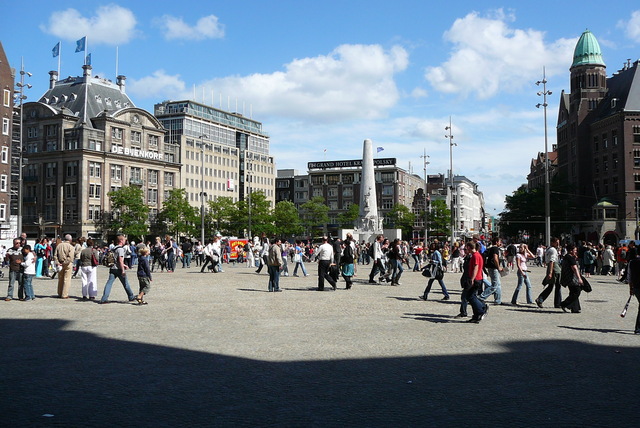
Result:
[{"x": 219, "y": 350}]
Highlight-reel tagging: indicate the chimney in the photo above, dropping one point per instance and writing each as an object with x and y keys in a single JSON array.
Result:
[
  {"x": 53, "y": 77},
  {"x": 87, "y": 72},
  {"x": 120, "y": 81}
]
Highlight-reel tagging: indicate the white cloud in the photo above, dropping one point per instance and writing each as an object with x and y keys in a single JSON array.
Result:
[
  {"x": 159, "y": 85},
  {"x": 353, "y": 81},
  {"x": 632, "y": 26},
  {"x": 111, "y": 25},
  {"x": 489, "y": 56},
  {"x": 419, "y": 93},
  {"x": 175, "y": 28}
]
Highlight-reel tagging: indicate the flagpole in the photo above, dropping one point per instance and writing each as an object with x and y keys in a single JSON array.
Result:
[
  {"x": 86, "y": 48},
  {"x": 59, "y": 55}
]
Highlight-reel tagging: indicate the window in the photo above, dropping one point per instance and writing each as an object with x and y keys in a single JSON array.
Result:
[
  {"x": 94, "y": 212},
  {"x": 32, "y": 132},
  {"x": 95, "y": 169},
  {"x": 636, "y": 158},
  {"x": 50, "y": 212},
  {"x": 605, "y": 142},
  {"x": 71, "y": 191},
  {"x": 135, "y": 138},
  {"x": 317, "y": 191},
  {"x": 168, "y": 179},
  {"x": 51, "y": 169},
  {"x": 95, "y": 144},
  {"x": 596, "y": 144},
  {"x": 72, "y": 169},
  {"x": 51, "y": 130},
  {"x": 95, "y": 191},
  {"x": 333, "y": 178},
  {"x": 116, "y": 133},
  {"x": 5, "y": 126},
  {"x": 50, "y": 191},
  {"x": 387, "y": 177},
  {"x": 317, "y": 180},
  {"x": 71, "y": 143},
  {"x": 605, "y": 164},
  {"x": 136, "y": 173},
  {"x": 52, "y": 145},
  {"x": 116, "y": 172},
  {"x": 614, "y": 137},
  {"x": 332, "y": 192},
  {"x": 152, "y": 177},
  {"x": 387, "y": 204},
  {"x": 152, "y": 196},
  {"x": 347, "y": 178},
  {"x": 6, "y": 100},
  {"x": 5, "y": 155},
  {"x": 3, "y": 183},
  {"x": 153, "y": 142},
  {"x": 636, "y": 179},
  {"x": 347, "y": 192},
  {"x": 387, "y": 190}
]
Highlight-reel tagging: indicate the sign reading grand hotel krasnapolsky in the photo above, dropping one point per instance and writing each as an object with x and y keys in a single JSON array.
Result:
[
  {"x": 355, "y": 163},
  {"x": 136, "y": 153}
]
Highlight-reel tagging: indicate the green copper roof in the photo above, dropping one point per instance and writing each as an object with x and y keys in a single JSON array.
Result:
[{"x": 587, "y": 51}]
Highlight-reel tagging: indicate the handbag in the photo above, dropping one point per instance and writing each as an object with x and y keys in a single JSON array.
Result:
[
  {"x": 426, "y": 271},
  {"x": 94, "y": 260},
  {"x": 586, "y": 287},
  {"x": 297, "y": 258}
]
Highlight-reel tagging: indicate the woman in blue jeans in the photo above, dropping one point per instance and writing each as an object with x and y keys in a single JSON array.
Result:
[{"x": 523, "y": 278}]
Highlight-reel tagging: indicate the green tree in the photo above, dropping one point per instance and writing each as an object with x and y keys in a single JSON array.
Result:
[
  {"x": 439, "y": 219},
  {"x": 348, "y": 218},
  {"x": 286, "y": 219},
  {"x": 177, "y": 216},
  {"x": 261, "y": 217},
  {"x": 315, "y": 214},
  {"x": 128, "y": 215},
  {"x": 223, "y": 216},
  {"x": 401, "y": 217}
]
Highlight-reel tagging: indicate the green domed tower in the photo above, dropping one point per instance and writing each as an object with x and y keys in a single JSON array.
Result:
[{"x": 588, "y": 74}]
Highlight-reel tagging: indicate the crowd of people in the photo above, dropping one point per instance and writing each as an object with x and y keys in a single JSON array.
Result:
[{"x": 481, "y": 266}]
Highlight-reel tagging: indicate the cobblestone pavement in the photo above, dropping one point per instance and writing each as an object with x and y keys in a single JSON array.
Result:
[{"x": 219, "y": 350}]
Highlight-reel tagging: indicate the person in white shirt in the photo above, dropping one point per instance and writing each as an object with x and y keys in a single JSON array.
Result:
[
  {"x": 378, "y": 267},
  {"x": 29, "y": 265},
  {"x": 324, "y": 256}
]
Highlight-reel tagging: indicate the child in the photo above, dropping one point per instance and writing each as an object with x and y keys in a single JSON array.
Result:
[
  {"x": 144, "y": 275},
  {"x": 29, "y": 266}
]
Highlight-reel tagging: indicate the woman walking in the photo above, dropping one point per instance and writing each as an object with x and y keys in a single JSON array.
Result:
[
  {"x": 347, "y": 261},
  {"x": 41, "y": 252},
  {"x": 570, "y": 277},
  {"x": 88, "y": 271},
  {"x": 523, "y": 278},
  {"x": 437, "y": 273}
]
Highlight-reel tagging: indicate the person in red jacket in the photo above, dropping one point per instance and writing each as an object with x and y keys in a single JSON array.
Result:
[{"x": 474, "y": 283}]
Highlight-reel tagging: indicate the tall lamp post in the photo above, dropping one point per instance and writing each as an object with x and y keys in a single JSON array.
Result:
[
  {"x": 547, "y": 190},
  {"x": 451, "y": 196},
  {"x": 427, "y": 205},
  {"x": 21, "y": 97},
  {"x": 202, "y": 193},
  {"x": 248, "y": 175}
]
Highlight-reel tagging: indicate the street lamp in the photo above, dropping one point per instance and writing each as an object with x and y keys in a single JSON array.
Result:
[
  {"x": 202, "y": 193},
  {"x": 547, "y": 190},
  {"x": 453, "y": 213},
  {"x": 427, "y": 204},
  {"x": 248, "y": 175},
  {"x": 21, "y": 97}
]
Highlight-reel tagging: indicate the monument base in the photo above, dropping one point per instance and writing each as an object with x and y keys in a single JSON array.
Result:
[{"x": 366, "y": 236}]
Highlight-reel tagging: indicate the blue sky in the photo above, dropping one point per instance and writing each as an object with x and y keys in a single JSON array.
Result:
[{"x": 327, "y": 75}]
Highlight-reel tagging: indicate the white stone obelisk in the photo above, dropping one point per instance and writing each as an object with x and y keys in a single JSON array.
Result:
[{"x": 369, "y": 222}]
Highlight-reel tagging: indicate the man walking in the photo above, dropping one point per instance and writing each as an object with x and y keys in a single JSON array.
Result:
[
  {"x": 65, "y": 255},
  {"x": 377, "y": 259},
  {"x": 325, "y": 259},
  {"x": 14, "y": 258},
  {"x": 494, "y": 268},
  {"x": 552, "y": 279},
  {"x": 474, "y": 281},
  {"x": 274, "y": 264},
  {"x": 118, "y": 270}
]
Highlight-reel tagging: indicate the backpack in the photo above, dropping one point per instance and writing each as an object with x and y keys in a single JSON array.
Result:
[{"x": 109, "y": 260}]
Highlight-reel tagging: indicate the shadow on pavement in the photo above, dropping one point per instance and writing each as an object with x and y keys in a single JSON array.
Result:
[{"x": 86, "y": 380}]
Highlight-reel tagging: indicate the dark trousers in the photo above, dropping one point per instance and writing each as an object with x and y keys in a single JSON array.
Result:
[
  {"x": 572, "y": 302},
  {"x": 377, "y": 267},
  {"x": 636, "y": 291},
  {"x": 324, "y": 267},
  {"x": 557, "y": 296},
  {"x": 206, "y": 262}
]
